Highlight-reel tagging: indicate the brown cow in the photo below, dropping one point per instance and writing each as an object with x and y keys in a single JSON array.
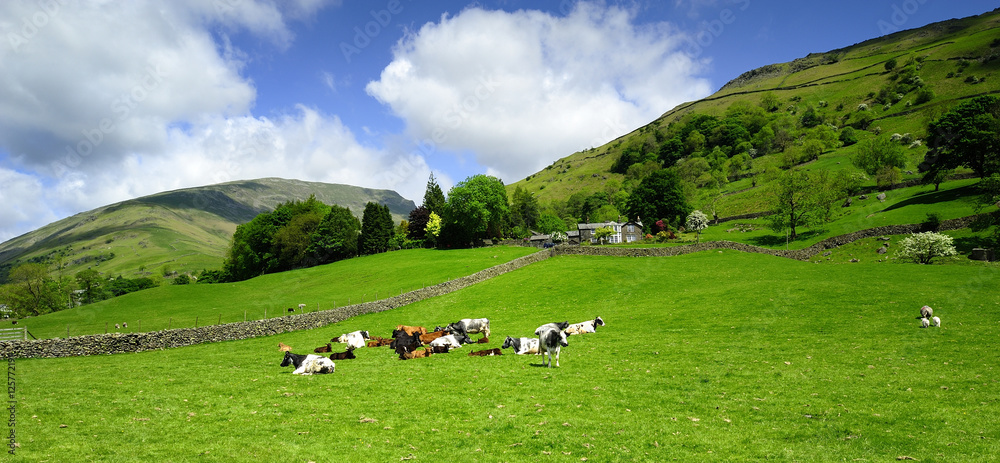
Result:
[
  {"x": 417, "y": 354},
  {"x": 378, "y": 341},
  {"x": 349, "y": 354},
  {"x": 485, "y": 353},
  {"x": 483, "y": 340},
  {"x": 284, "y": 347},
  {"x": 427, "y": 338},
  {"x": 323, "y": 349},
  {"x": 410, "y": 330}
]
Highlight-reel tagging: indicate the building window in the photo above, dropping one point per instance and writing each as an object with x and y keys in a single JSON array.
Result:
[{"x": 631, "y": 228}]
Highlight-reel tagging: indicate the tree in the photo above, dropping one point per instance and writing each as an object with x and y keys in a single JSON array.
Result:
[
  {"x": 876, "y": 154},
  {"x": 989, "y": 196},
  {"x": 793, "y": 201},
  {"x": 696, "y": 221},
  {"x": 376, "y": 229},
  {"x": 890, "y": 64},
  {"x": 549, "y": 223},
  {"x": 433, "y": 228},
  {"x": 91, "y": 282},
  {"x": 602, "y": 234},
  {"x": 524, "y": 209},
  {"x": 477, "y": 209},
  {"x": 433, "y": 196},
  {"x": 924, "y": 247},
  {"x": 417, "y": 229},
  {"x": 659, "y": 196},
  {"x": 968, "y": 136},
  {"x": 336, "y": 238},
  {"x": 32, "y": 291}
]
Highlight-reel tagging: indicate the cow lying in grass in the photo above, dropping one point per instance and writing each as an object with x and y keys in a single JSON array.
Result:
[
  {"x": 323, "y": 349},
  {"x": 468, "y": 326},
  {"x": 411, "y": 329},
  {"x": 589, "y": 326},
  {"x": 378, "y": 341},
  {"x": 308, "y": 364},
  {"x": 486, "y": 353},
  {"x": 453, "y": 341},
  {"x": 284, "y": 347},
  {"x": 427, "y": 338},
  {"x": 522, "y": 345},
  {"x": 404, "y": 343},
  {"x": 416, "y": 354},
  {"x": 354, "y": 339},
  {"x": 347, "y": 355}
]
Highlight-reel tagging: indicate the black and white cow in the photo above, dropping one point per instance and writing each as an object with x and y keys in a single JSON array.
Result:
[
  {"x": 589, "y": 326},
  {"x": 561, "y": 326},
  {"x": 308, "y": 364},
  {"x": 354, "y": 339},
  {"x": 551, "y": 340},
  {"x": 453, "y": 341},
  {"x": 522, "y": 346},
  {"x": 468, "y": 326}
]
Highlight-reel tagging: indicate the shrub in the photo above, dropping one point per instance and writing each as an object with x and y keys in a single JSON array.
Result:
[
  {"x": 848, "y": 136},
  {"x": 932, "y": 222},
  {"x": 182, "y": 279},
  {"x": 924, "y": 247},
  {"x": 924, "y": 95}
]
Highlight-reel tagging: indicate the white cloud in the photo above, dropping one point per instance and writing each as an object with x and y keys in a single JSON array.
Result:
[
  {"x": 102, "y": 102},
  {"x": 522, "y": 89}
]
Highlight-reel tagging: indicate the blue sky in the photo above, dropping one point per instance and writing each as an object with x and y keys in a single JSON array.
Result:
[{"x": 106, "y": 101}]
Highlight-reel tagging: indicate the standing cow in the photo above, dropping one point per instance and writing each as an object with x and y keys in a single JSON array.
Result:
[{"x": 551, "y": 340}]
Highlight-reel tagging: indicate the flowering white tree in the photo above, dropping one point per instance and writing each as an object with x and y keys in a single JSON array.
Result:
[
  {"x": 923, "y": 247},
  {"x": 558, "y": 237},
  {"x": 697, "y": 221}
]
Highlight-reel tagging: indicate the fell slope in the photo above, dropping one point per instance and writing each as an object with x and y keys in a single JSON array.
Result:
[{"x": 175, "y": 231}]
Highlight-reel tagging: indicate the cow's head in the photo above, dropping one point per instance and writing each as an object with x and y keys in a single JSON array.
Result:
[
  {"x": 562, "y": 339},
  {"x": 287, "y": 360},
  {"x": 507, "y": 342},
  {"x": 598, "y": 321}
]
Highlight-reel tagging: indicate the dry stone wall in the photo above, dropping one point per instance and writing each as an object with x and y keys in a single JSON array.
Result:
[{"x": 117, "y": 343}]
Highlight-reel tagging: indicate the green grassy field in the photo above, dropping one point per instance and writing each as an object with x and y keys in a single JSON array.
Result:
[
  {"x": 323, "y": 287},
  {"x": 715, "y": 356}
]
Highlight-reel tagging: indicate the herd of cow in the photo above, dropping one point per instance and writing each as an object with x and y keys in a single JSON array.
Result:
[{"x": 411, "y": 342}]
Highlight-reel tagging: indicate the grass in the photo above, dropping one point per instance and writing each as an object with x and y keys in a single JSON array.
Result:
[
  {"x": 323, "y": 287},
  {"x": 701, "y": 360}
]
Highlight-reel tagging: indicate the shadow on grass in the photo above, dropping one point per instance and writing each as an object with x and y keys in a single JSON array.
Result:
[
  {"x": 967, "y": 244},
  {"x": 968, "y": 192},
  {"x": 779, "y": 240}
]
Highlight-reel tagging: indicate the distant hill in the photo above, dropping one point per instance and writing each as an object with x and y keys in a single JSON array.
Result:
[
  {"x": 957, "y": 59},
  {"x": 183, "y": 230}
]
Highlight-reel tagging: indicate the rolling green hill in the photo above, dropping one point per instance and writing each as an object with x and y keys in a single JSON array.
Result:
[
  {"x": 176, "y": 231},
  {"x": 954, "y": 59}
]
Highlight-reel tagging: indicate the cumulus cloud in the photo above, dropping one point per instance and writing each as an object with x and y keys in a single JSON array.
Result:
[
  {"x": 521, "y": 89},
  {"x": 102, "y": 102}
]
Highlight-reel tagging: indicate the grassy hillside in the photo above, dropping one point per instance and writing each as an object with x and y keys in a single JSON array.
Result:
[
  {"x": 955, "y": 59},
  {"x": 322, "y": 287},
  {"x": 699, "y": 361},
  {"x": 176, "y": 231}
]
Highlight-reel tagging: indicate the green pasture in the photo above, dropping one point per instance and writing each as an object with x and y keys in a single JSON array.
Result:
[
  {"x": 323, "y": 287},
  {"x": 714, "y": 356}
]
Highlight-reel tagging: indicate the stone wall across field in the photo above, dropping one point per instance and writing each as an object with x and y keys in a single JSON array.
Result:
[{"x": 117, "y": 343}]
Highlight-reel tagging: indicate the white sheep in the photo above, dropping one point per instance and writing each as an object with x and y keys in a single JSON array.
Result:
[
  {"x": 924, "y": 322},
  {"x": 936, "y": 321},
  {"x": 926, "y": 312}
]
